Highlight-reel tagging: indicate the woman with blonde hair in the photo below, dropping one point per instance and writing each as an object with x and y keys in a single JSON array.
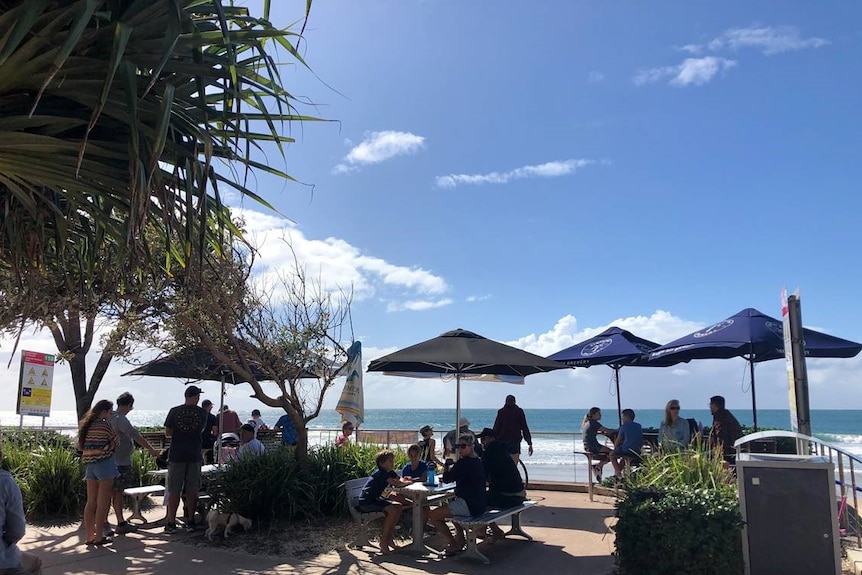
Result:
[
  {"x": 96, "y": 442},
  {"x": 674, "y": 432}
]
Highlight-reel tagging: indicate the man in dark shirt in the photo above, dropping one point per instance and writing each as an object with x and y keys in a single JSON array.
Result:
[
  {"x": 209, "y": 434},
  {"x": 184, "y": 426},
  {"x": 505, "y": 487},
  {"x": 725, "y": 429},
  {"x": 511, "y": 426}
]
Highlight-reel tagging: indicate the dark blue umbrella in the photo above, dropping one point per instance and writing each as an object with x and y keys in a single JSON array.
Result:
[
  {"x": 751, "y": 335},
  {"x": 613, "y": 347}
]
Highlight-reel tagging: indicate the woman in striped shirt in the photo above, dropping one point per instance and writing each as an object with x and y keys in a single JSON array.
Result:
[{"x": 97, "y": 441}]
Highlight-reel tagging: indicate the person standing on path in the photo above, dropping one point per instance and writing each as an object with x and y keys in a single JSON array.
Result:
[
  {"x": 510, "y": 427},
  {"x": 127, "y": 435},
  {"x": 184, "y": 426},
  {"x": 13, "y": 526},
  {"x": 97, "y": 441},
  {"x": 208, "y": 437}
]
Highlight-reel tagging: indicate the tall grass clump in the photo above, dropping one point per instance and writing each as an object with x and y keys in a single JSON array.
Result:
[
  {"x": 679, "y": 513},
  {"x": 52, "y": 483}
]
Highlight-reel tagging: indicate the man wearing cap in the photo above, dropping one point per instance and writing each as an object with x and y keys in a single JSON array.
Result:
[
  {"x": 210, "y": 432},
  {"x": 511, "y": 426},
  {"x": 449, "y": 438},
  {"x": 505, "y": 487},
  {"x": 183, "y": 427}
]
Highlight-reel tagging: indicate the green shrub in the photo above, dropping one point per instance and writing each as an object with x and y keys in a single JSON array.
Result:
[
  {"x": 679, "y": 530},
  {"x": 52, "y": 483},
  {"x": 141, "y": 463},
  {"x": 694, "y": 468},
  {"x": 274, "y": 487}
]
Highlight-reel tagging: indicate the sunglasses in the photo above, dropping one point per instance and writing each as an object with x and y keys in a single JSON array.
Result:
[
  {"x": 462, "y": 446},
  {"x": 675, "y": 408}
]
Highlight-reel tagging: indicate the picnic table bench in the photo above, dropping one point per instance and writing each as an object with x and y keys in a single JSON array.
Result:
[
  {"x": 478, "y": 525},
  {"x": 138, "y": 494}
]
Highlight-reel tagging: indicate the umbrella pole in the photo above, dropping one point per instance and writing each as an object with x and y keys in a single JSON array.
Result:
[
  {"x": 220, "y": 419},
  {"x": 457, "y": 415},
  {"x": 619, "y": 402},
  {"x": 753, "y": 395}
]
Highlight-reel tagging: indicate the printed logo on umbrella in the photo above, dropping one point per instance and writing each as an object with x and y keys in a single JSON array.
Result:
[
  {"x": 714, "y": 328},
  {"x": 595, "y": 347}
]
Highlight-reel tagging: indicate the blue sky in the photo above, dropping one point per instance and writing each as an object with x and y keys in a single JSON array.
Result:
[{"x": 536, "y": 173}]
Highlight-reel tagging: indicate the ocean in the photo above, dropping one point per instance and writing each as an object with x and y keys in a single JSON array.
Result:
[{"x": 556, "y": 432}]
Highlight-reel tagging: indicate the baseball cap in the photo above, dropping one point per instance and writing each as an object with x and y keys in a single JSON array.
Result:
[
  {"x": 487, "y": 432},
  {"x": 463, "y": 422},
  {"x": 193, "y": 390},
  {"x": 206, "y": 403},
  {"x": 425, "y": 428},
  {"x": 247, "y": 427}
]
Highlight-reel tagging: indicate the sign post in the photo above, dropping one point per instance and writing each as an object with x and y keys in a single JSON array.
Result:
[
  {"x": 794, "y": 355},
  {"x": 35, "y": 383},
  {"x": 788, "y": 361}
]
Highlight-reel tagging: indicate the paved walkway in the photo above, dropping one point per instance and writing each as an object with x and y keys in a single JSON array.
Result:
[{"x": 571, "y": 536}]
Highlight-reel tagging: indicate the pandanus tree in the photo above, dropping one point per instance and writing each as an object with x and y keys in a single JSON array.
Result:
[{"x": 122, "y": 125}]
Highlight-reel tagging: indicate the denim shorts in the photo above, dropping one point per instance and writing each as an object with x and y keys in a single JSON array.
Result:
[
  {"x": 458, "y": 507},
  {"x": 102, "y": 469}
]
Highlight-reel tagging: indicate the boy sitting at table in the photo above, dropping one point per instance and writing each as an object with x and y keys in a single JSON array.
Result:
[{"x": 373, "y": 500}]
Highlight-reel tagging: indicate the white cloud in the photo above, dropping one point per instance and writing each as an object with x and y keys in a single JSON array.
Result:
[
  {"x": 770, "y": 40},
  {"x": 692, "y": 71},
  {"x": 475, "y": 298},
  {"x": 334, "y": 262},
  {"x": 378, "y": 147},
  {"x": 691, "y": 48},
  {"x": 417, "y": 305},
  {"x": 546, "y": 170},
  {"x": 595, "y": 77}
]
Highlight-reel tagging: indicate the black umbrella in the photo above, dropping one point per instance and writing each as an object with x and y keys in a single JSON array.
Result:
[
  {"x": 613, "y": 347},
  {"x": 462, "y": 353}
]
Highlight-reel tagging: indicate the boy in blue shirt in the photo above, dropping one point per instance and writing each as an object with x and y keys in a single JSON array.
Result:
[{"x": 630, "y": 439}]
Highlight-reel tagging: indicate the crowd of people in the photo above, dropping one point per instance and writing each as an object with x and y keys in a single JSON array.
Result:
[{"x": 675, "y": 433}]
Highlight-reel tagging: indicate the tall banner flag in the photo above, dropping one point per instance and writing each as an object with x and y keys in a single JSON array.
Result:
[
  {"x": 351, "y": 404},
  {"x": 35, "y": 382},
  {"x": 788, "y": 361}
]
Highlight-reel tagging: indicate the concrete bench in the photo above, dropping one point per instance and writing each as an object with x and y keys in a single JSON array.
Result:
[
  {"x": 138, "y": 494},
  {"x": 478, "y": 525}
]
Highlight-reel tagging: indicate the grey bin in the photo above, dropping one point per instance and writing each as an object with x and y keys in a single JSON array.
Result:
[{"x": 790, "y": 511}]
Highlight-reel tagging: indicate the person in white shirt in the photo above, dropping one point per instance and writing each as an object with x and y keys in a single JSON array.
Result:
[
  {"x": 257, "y": 422},
  {"x": 250, "y": 446}
]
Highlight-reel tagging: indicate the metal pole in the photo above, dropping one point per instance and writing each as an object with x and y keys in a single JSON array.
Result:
[
  {"x": 457, "y": 414},
  {"x": 800, "y": 370},
  {"x": 220, "y": 420},
  {"x": 619, "y": 402},
  {"x": 753, "y": 394}
]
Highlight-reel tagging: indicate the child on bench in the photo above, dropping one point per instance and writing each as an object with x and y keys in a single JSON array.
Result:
[{"x": 372, "y": 499}]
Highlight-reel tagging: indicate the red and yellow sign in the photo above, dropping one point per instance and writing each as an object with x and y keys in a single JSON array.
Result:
[{"x": 35, "y": 383}]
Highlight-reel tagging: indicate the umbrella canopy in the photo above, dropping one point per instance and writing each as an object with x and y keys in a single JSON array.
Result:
[
  {"x": 752, "y": 335},
  {"x": 351, "y": 404},
  {"x": 201, "y": 364},
  {"x": 614, "y": 347},
  {"x": 460, "y": 352}
]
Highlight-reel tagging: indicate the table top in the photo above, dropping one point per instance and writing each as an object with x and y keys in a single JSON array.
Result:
[
  {"x": 205, "y": 470},
  {"x": 423, "y": 488}
]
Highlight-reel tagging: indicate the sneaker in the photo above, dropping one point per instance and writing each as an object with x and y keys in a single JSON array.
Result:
[
  {"x": 170, "y": 527},
  {"x": 124, "y": 527},
  {"x": 190, "y": 527}
]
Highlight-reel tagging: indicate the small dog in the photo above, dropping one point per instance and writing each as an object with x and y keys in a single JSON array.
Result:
[{"x": 216, "y": 519}]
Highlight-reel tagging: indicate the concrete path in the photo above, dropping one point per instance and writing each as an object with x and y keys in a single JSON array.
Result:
[{"x": 571, "y": 536}]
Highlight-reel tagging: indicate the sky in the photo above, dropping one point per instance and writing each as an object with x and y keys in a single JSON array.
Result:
[{"x": 538, "y": 172}]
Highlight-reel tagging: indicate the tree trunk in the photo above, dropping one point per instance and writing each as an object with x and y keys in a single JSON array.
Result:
[
  {"x": 301, "y": 452},
  {"x": 83, "y": 394}
]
